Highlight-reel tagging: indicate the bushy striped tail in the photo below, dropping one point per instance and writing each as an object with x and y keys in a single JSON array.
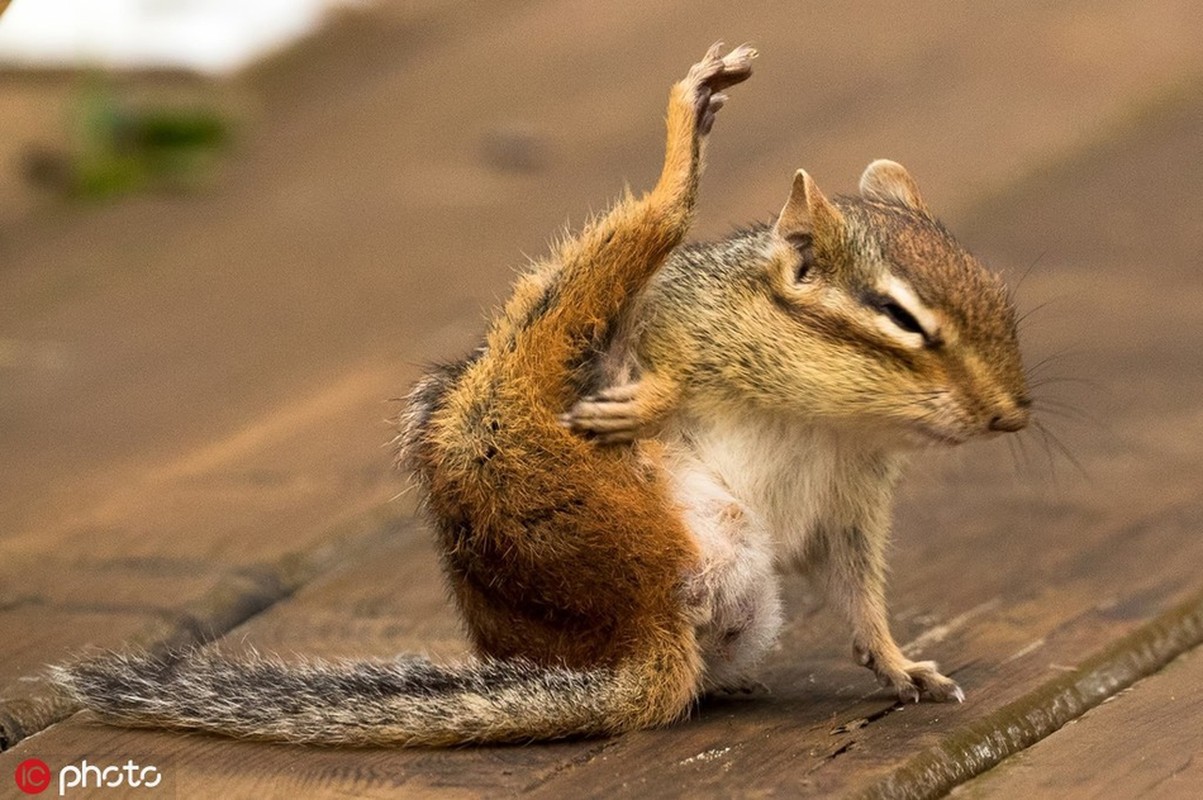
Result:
[{"x": 409, "y": 701}]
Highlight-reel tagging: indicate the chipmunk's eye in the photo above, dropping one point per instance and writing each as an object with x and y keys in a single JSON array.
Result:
[
  {"x": 901, "y": 317},
  {"x": 905, "y": 313}
]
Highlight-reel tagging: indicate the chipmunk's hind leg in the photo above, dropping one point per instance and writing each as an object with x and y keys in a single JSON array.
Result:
[
  {"x": 693, "y": 105},
  {"x": 560, "y": 552},
  {"x": 599, "y": 271},
  {"x": 620, "y": 413}
]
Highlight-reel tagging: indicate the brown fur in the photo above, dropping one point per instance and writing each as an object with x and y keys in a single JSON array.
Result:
[{"x": 557, "y": 550}]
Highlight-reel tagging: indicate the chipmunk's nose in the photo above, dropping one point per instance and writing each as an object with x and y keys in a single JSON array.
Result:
[{"x": 1010, "y": 418}]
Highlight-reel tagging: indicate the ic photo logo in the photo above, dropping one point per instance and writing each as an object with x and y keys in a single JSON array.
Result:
[{"x": 34, "y": 776}]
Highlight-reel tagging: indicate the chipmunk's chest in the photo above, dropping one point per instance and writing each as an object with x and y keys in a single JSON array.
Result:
[
  {"x": 796, "y": 480},
  {"x": 754, "y": 495}
]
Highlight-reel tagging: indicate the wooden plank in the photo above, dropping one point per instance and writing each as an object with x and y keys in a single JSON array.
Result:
[
  {"x": 1147, "y": 743},
  {"x": 45, "y": 614},
  {"x": 823, "y": 729},
  {"x": 53, "y": 626},
  {"x": 388, "y": 604}
]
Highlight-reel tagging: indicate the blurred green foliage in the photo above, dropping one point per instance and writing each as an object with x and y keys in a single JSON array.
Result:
[{"x": 122, "y": 146}]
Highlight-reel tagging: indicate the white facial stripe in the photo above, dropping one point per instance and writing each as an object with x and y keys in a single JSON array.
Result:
[{"x": 902, "y": 293}]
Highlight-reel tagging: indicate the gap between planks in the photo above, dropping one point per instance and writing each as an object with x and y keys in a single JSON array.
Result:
[
  {"x": 238, "y": 596},
  {"x": 968, "y": 751}
]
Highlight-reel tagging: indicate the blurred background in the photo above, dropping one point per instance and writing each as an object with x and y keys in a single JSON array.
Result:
[{"x": 231, "y": 231}]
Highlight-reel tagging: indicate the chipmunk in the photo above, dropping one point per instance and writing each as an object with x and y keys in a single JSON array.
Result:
[{"x": 648, "y": 434}]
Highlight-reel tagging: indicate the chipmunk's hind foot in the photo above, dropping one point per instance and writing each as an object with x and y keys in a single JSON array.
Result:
[{"x": 707, "y": 78}]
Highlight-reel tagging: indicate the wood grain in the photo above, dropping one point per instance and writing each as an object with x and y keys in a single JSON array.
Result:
[{"x": 1147, "y": 742}]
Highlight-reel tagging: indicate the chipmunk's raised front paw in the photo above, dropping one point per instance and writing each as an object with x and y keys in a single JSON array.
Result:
[
  {"x": 614, "y": 415},
  {"x": 708, "y": 77},
  {"x": 912, "y": 680}
]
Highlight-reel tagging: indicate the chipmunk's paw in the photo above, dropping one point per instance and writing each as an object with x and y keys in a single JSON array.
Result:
[
  {"x": 920, "y": 679},
  {"x": 708, "y": 77},
  {"x": 912, "y": 680},
  {"x": 614, "y": 415}
]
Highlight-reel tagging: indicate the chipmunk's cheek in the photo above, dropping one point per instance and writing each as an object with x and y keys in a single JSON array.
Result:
[{"x": 942, "y": 418}]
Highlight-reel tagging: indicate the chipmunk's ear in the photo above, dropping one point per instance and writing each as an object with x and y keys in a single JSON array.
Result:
[
  {"x": 886, "y": 181},
  {"x": 808, "y": 215}
]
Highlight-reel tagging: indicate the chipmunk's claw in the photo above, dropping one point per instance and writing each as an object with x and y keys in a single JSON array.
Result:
[
  {"x": 614, "y": 415},
  {"x": 708, "y": 77},
  {"x": 911, "y": 680},
  {"x": 922, "y": 679}
]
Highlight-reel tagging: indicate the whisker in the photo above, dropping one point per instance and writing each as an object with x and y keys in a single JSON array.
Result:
[
  {"x": 1038, "y": 307},
  {"x": 1054, "y": 405},
  {"x": 1028, "y": 271},
  {"x": 1052, "y": 359},
  {"x": 1069, "y": 414},
  {"x": 1013, "y": 449},
  {"x": 1051, "y": 438},
  {"x": 1055, "y": 380},
  {"x": 1062, "y": 409},
  {"x": 1034, "y": 430},
  {"x": 1022, "y": 443}
]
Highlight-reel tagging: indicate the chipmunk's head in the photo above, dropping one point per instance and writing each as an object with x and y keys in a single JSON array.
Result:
[{"x": 887, "y": 319}]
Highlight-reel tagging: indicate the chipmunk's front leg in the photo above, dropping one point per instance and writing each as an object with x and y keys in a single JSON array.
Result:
[
  {"x": 856, "y": 578},
  {"x": 624, "y": 412}
]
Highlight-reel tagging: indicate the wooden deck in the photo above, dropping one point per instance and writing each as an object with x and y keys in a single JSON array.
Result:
[{"x": 192, "y": 389}]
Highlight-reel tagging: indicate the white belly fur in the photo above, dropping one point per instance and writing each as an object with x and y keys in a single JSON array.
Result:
[{"x": 753, "y": 493}]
